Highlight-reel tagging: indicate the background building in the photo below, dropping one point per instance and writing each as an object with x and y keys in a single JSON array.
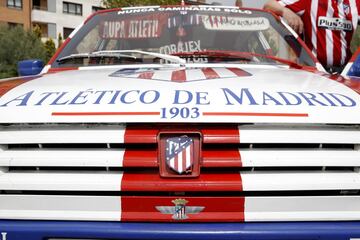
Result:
[
  {"x": 15, "y": 12},
  {"x": 54, "y": 17}
]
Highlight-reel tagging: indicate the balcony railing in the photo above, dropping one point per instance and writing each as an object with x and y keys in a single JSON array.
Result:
[{"x": 42, "y": 8}]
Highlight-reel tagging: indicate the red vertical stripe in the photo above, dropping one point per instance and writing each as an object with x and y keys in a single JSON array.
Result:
[
  {"x": 176, "y": 163},
  {"x": 336, "y": 39},
  {"x": 216, "y": 209},
  {"x": 239, "y": 72},
  {"x": 222, "y": 135},
  {"x": 138, "y": 134},
  {"x": 321, "y": 34},
  {"x": 308, "y": 30},
  {"x": 184, "y": 158},
  {"x": 210, "y": 73},
  {"x": 151, "y": 181},
  {"x": 349, "y": 35},
  {"x": 178, "y": 76},
  {"x": 224, "y": 209},
  {"x": 6, "y": 86},
  {"x": 140, "y": 158},
  {"x": 146, "y": 75},
  {"x": 192, "y": 153}
]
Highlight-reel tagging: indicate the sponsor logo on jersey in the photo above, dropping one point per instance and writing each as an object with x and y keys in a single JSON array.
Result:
[{"x": 336, "y": 24}]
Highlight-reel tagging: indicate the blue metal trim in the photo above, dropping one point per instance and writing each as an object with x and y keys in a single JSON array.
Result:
[
  {"x": 355, "y": 68},
  {"x": 41, "y": 230}
]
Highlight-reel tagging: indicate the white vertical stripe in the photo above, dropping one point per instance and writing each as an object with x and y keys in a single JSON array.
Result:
[
  {"x": 121, "y": 178},
  {"x": 329, "y": 37},
  {"x": 72, "y": 34},
  {"x": 354, "y": 13},
  {"x": 45, "y": 207},
  {"x": 69, "y": 158},
  {"x": 285, "y": 3},
  {"x": 102, "y": 134},
  {"x": 45, "y": 69},
  {"x": 135, "y": 75},
  {"x": 172, "y": 163},
  {"x": 163, "y": 75},
  {"x": 299, "y": 208},
  {"x": 346, "y": 69},
  {"x": 188, "y": 156},
  {"x": 180, "y": 161},
  {"x": 288, "y": 2},
  {"x": 342, "y": 34},
  {"x": 194, "y": 74},
  {"x": 66, "y": 181},
  {"x": 314, "y": 12},
  {"x": 299, "y": 180},
  {"x": 224, "y": 72}
]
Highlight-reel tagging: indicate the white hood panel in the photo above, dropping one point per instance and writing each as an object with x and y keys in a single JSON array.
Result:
[{"x": 272, "y": 95}]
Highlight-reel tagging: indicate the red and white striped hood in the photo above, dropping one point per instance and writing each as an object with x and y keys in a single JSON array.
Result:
[{"x": 198, "y": 94}]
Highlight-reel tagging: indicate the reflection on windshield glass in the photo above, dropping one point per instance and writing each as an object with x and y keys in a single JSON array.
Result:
[{"x": 174, "y": 30}]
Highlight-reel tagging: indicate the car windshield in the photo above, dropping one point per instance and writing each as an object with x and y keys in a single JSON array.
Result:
[{"x": 196, "y": 34}]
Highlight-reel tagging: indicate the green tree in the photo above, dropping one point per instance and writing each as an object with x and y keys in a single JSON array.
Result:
[
  {"x": 355, "y": 44},
  {"x": 16, "y": 45},
  {"x": 60, "y": 40},
  {"x": 37, "y": 31},
  {"x": 50, "y": 48},
  {"x": 132, "y": 3}
]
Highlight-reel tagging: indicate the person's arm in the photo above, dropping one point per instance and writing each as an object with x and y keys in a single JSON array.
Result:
[{"x": 292, "y": 18}]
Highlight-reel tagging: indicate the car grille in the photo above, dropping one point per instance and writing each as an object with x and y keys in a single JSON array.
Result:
[{"x": 249, "y": 172}]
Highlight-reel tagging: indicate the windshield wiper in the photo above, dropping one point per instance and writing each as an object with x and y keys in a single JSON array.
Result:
[
  {"x": 93, "y": 54},
  {"x": 243, "y": 55},
  {"x": 166, "y": 57},
  {"x": 120, "y": 54}
]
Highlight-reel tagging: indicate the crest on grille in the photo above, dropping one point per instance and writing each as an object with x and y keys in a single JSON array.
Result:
[
  {"x": 180, "y": 210},
  {"x": 179, "y": 154}
]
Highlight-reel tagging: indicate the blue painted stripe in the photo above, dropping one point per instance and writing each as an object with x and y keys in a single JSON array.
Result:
[
  {"x": 39, "y": 230},
  {"x": 355, "y": 68}
]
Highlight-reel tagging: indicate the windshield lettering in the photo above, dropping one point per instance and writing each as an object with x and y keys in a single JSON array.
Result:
[{"x": 130, "y": 29}]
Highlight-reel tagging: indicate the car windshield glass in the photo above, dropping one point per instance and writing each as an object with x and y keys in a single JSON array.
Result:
[{"x": 127, "y": 34}]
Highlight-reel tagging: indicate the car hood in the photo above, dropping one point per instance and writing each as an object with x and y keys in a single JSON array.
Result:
[{"x": 198, "y": 95}]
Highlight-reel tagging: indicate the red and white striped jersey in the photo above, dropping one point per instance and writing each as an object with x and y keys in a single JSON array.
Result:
[{"x": 329, "y": 27}]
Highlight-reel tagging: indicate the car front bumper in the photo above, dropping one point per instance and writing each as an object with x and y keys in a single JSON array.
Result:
[{"x": 42, "y": 230}]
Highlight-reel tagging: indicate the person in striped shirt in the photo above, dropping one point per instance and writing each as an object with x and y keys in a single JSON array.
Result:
[{"x": 327, "y": 26}]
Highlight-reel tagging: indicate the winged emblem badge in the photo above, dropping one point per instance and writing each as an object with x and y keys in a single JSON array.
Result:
[{"x": 180, "y": 210}]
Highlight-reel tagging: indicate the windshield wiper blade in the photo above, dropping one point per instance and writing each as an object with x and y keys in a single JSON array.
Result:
[
  {"x": 73, "y": 56},
  {"x": 216, "y": 53},
  {"x": 244, "y": 55},
  {"x": 93, "y": 54},
  {"x": 171, "y": 58}
]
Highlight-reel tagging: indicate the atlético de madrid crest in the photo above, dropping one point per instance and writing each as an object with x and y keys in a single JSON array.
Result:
[
  {"x": 179, "y": 153},
  {"x": 346, "y": 9},
  {"x": 180, "y": 211}
]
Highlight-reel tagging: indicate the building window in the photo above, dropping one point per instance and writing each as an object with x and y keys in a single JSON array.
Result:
[
  {"x": 72, "y": 8},
  {"x": 14, "y": 4},
  {"x": 14, "y": 25},
  {"x": 95, "y": 9},
  {"x": 67, "y": 32}
]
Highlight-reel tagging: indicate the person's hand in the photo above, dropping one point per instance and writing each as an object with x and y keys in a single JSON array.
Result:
[{"x": 293, "y": 20}]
